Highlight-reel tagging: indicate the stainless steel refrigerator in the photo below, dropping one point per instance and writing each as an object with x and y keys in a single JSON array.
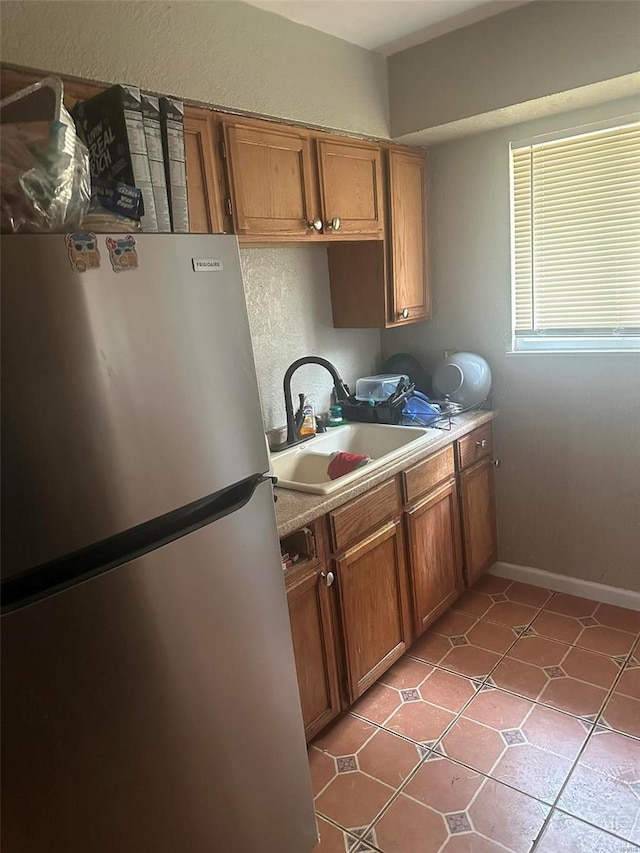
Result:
[{"x": 149, "y": 695}]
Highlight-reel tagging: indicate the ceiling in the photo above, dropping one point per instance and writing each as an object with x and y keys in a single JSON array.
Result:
[{"x": 386, "y": 26}]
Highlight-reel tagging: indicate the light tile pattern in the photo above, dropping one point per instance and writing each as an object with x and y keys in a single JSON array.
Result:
[
  {"x": 603, "y": 788},
  {"x": 512, "y": 724},
  {"x": 562, "y": 676},
  {"x": 587, "y": 624},
  {"x": 622, "y": 710}
]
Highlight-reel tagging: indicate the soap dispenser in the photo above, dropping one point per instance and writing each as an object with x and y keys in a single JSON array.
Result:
[{"x": 308, "y": 426}]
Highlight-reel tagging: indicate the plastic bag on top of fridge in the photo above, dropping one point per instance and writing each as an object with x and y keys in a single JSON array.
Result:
[{"x": 45, "y": 182}]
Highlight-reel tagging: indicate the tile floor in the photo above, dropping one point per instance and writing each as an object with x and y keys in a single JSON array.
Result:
[{"x": 513, "y": 724}]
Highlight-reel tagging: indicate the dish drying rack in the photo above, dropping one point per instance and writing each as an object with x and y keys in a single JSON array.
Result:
[{"x": 390, "y": 411}]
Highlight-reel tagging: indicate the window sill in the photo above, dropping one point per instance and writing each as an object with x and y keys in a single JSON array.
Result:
[{"x": 572, "y": 352}]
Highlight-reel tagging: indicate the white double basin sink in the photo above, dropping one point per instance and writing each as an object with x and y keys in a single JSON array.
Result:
[{"x": 303, "y": 467}]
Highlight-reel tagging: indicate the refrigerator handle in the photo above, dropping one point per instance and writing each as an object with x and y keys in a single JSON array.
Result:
[{"x": 64, "y": 572}]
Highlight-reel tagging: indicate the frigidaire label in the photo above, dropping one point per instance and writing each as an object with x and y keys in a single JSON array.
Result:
[{"x": 206, "y": 265}]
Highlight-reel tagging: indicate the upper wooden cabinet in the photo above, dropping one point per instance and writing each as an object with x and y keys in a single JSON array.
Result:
[
  {"x": 271, "y": 180},
  {"x": 410, "y": 295},
  {"x": 378, "y": 286},
  {"x": 272, "y": 183},
  {"x": 203, "y": 176},
  {"x": 285, "y": 184},
  {"x": 351, "y": 188}
]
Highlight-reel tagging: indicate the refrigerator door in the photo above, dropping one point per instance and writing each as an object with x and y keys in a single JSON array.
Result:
[
  {"x": 125, "y": 394},
  {"x": 155, "y": 708}
]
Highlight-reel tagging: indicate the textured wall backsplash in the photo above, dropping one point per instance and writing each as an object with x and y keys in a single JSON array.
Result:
[{"x": 290, "y": 316}]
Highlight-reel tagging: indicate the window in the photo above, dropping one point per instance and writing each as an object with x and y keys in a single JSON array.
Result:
[{"x": 575, "y": 204}]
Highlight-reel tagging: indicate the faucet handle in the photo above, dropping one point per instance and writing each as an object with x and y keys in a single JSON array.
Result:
[
  {"x": 321, "y": 421},
  {"x": 299, "y": 416},
  {"x": 341, "y": 391}
]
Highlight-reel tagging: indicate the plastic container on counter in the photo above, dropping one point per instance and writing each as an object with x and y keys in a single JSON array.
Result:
[{"x": 378, "y": 388}]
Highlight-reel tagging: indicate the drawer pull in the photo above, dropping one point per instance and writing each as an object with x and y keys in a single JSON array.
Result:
[
  {"x": 495, "y": 463},
  {"x": 328, "y": 577},
  {"x": 482, "y": 443}
]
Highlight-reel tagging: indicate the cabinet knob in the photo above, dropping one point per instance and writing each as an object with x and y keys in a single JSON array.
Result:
[
  {"x": 328, "y": 577},
  {"x": 482, "y": 443},
  {"x": 404, "y": 314},
  {"x": 316, "y": 224},
  {"x": 333, "y": 223},
  {"x": 495, "y": 463}
]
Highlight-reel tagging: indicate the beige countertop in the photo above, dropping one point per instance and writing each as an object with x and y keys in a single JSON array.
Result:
[{"x": 295, "y": 509}]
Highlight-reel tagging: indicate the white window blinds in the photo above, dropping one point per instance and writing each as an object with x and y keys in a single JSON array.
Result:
[{"x": 576, "y": 241}]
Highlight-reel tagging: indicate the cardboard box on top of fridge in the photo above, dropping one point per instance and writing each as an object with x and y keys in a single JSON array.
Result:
[
  {"x": 153, "y": 137},
  {"x": 112, "y": 126},
  {"x": 172, "y": 123}
]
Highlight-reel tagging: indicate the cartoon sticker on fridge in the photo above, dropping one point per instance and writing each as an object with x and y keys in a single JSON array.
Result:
[
  {"x": 82, "y": 247},
  {"x": 123, "y": 253}
]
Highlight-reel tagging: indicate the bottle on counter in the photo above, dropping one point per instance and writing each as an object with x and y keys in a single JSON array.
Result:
[
  {"x": 308, "y": 426},
  {"x": 335, "y": 416}
]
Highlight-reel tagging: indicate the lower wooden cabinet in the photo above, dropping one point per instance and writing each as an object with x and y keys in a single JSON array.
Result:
[
  {"x": 399, "y": 554},
  {"x": 311, "y": 613},
  {"x": 478, "y": 508},
  {"x": 371, "y": 581},
  {"x": 435, "y": 554}
]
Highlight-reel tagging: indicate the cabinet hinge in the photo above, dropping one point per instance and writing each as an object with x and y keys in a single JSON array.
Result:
[
  {"x": 229, "y": 207},
  {"x": 223, "y": 149},
  {"x": 311, "y": 542}
]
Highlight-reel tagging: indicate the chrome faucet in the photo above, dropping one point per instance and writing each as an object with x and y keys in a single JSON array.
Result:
[{"x": 341, "y": 390}]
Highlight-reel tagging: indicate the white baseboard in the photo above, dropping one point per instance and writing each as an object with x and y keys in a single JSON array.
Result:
[{"x": 563, "y": 583}]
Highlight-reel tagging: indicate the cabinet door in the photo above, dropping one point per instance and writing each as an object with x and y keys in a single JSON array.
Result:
[
  {"x": 435, "y": 554},
  {"x": 312, "y": 629},
  {"x": 373, "y": 604},
  {"x": 271, "y": 180},
  {"x": 351, "y": 187},
  {"x": 203, "y": 188},
  {"x": 478, "y": 519},
  {"x": 410, "y": 291}
]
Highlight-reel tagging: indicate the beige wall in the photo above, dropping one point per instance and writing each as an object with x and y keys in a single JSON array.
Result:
[
  {"x": 290, "y": 316},
  {"x": 224, "y": 53},
  {"x": 532, "y": 52},
  {"x": 568, "y": 429}
]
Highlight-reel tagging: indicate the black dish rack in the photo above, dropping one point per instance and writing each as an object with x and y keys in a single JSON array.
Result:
[{"x": 363, "y": 412}]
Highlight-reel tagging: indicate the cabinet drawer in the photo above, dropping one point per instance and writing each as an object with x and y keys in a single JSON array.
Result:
[
  {"x": 474, "y": 447},
  {"x": 352, "y": 521},
  {"x": 428, "y": 473}
]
